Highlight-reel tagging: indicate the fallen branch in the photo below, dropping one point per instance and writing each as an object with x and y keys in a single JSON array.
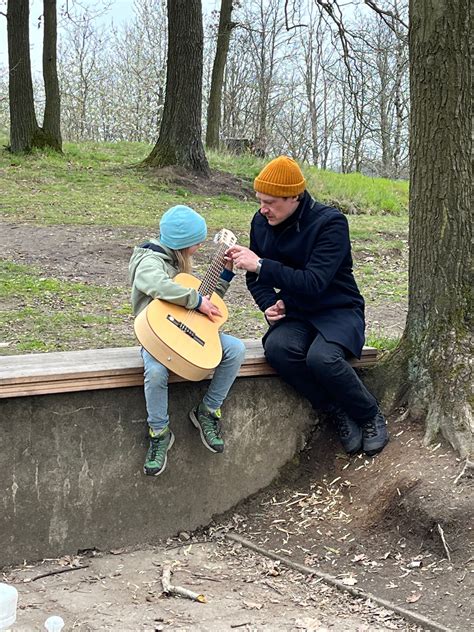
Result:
[
  {"x": 59, "y": 570},
  {"x": 467, "y": 464},
  {"x": 443, "y": 540},
  {"x": 169, "y": 589},
  {"x": 332, "y": 581}
]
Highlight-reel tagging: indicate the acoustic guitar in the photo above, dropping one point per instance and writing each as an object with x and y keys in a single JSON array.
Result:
[{"x": 184, "y": 340}]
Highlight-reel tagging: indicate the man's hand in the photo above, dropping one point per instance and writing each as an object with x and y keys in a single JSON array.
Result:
[
  {"x": 209, "y": 309},
  {"x": 243, "y": 258},
  {"x": 275, "y": 312}
]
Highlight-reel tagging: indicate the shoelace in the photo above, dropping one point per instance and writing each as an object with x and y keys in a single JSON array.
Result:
[
  {"x": 370, "y": 429},
  {"x": 158, "y": 446},
  {"x": 212, "y": 427},
  {"x": 342, "y": 425}
]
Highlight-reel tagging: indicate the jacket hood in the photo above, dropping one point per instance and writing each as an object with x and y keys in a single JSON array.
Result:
[{"x": 139, "y": 254}]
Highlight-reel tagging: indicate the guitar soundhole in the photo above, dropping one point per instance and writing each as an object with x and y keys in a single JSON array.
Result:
[{"x": 185, "y": 329}]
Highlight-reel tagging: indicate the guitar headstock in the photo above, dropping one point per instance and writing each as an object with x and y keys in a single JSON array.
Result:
[{"x": 225, "y": 236}]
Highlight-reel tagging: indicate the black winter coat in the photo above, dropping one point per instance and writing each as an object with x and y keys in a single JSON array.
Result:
[{"x": 307, "y": 263}]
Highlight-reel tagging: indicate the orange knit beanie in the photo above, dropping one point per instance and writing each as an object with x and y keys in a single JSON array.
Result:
[{"x": 280, "y": 178}]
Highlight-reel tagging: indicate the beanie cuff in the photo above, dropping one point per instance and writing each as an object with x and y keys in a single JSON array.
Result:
[
  {"x": 279, "y": 190},
  {"x": 176, "y": 242}
]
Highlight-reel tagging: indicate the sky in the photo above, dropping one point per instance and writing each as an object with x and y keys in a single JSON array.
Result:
[{"x": 121, "y": 11}]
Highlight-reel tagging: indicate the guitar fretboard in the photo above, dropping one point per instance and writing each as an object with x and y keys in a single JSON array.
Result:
[{"x": 209, "y": 282}]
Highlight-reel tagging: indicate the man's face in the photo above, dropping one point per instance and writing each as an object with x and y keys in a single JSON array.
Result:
[{"x": 276, "y": 209}]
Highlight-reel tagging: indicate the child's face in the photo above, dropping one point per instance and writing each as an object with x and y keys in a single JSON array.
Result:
[{"x": 192, "y": 249}]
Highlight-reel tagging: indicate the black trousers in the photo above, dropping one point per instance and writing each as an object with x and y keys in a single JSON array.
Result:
[{"x": 318, "y": 369}]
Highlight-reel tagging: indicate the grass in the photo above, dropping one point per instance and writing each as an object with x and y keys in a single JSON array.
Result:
[
  {"x": 44, "y": 314},
  {"x": 96, "y": 184},
  {"x": 100, "y": 184},
  {"x": 356, "y": 193},
  {"x": 381, "y": 342}
]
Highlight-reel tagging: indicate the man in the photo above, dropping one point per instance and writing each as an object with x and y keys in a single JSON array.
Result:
[{"x": 299, "y": 271}]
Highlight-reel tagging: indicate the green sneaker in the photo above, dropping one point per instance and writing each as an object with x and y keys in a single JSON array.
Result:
[
  {"x": 157, "y": 454},
  {"x": 208, "y": 425}
]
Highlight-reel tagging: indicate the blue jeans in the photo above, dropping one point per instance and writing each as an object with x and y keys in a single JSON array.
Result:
[
  {"x": 318, "y": 369},
  {"x": 156, "y": 381}
]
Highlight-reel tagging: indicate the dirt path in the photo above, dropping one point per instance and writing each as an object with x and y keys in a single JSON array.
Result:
[
  {"x": 243, "y": 591},
  {"x": 386, "y": 525},
  {"x": 371, "y": 523},
  {"x": 100, "y": 255}
]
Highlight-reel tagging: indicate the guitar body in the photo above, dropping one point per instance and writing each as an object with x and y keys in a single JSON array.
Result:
[{"x": 185, "y": 341}]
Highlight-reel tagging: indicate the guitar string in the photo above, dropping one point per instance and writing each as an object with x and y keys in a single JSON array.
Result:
[{"x": 209, "y": 282}]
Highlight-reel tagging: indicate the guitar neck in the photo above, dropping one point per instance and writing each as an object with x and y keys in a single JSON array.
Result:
[{"x": 209, "y": 282}]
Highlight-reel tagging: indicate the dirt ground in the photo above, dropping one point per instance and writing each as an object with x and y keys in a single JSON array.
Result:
[
  {"x": 384, "y": 525},
  {"x": 100, "y": 255}
]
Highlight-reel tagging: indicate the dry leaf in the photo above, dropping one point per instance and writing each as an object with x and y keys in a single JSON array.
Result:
[
  {"x": 252, "y": 605},
  {"x": 349, "y": 581},
  {"x": 414, "y": 564},
  {"x": 359, "y": 558},
  {"x": 413, "y": 598}
]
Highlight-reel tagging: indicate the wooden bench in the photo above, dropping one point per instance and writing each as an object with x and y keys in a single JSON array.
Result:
[{"x": 68, "y": 371}]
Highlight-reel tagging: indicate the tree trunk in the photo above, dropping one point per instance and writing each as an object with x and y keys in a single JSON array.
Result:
[
  {"x": 52, "y": 110},
  {"x": 217, "y": 80},
  {"x": 23, "y": 124},
  {"x": 432, "y": 362},
  {"x": 180, "y": 140}
]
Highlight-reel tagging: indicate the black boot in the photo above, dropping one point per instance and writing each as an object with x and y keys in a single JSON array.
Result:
[
  {"x": 350, "y": 434},
  {"x": 375, "y": 434}
]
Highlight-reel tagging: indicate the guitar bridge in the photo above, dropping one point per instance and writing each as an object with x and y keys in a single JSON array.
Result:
[{"x": 185, "y": 329}]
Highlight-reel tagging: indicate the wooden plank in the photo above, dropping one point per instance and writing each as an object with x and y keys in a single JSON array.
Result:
[{"x": 93, "y": 369}]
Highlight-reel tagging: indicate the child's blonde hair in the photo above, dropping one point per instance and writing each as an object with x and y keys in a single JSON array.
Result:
[{"x": 185, "y": 260}]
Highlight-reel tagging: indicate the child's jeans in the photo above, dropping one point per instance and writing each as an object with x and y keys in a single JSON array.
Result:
[{"x": 156, "y": 381}]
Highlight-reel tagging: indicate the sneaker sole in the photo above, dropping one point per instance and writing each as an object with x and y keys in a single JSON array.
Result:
[
  {"x": 353, "y": 451},
  {"x": 196, "y": 423},
  {"x": 170, "y": 444},
  {"x": 373, "y": 452}
]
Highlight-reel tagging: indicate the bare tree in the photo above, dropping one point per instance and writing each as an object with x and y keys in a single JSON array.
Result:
[
  {"x": 25, "y": 132},
  {"x": 52, "y": 108},
  {"x": 137, "y": 66},
  {"x": 24, "y": 129},
  {"x": 432, "y": 365},
  {"x": 215, "y": 94},
  {"x": 180, "y": 141},
  {"x": 267, "y": 36},
  {"x": 431, "y": 370},
  {"x": 82, "y": 51},
  {"x": 239, "y": 90}
]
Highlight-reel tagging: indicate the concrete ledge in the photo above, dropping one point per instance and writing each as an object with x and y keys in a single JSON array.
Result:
[
  {"x": 71, "y": 465},
  {"x": 70, "y": 371},
  {"x": 71, "y": 458}
]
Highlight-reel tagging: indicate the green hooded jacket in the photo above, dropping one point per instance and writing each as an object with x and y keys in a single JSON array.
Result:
[{"x": 151, "y": 276}]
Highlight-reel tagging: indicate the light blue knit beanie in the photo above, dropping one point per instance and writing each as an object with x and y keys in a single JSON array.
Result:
[{"x": 181, "y": 227}]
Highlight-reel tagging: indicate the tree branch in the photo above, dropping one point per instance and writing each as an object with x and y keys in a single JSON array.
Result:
[
  {"x": 288, "y": 27},
  {"x": 385, "y": 12}
]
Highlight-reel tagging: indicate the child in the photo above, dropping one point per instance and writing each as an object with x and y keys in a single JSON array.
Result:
[{"x": 152, "y": 268}]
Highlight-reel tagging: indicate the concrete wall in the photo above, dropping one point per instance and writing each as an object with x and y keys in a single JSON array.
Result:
[{"x": 71, "y": 465}]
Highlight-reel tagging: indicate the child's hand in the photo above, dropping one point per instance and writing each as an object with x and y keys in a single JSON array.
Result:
[
  {"x": 209, "y": 309},
  {"x": 228, "y": 262},
  {"x": 243, "y": 258}
]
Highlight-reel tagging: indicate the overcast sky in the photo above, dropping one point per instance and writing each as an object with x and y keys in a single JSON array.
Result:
[{"x": 121, "y": 11}]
